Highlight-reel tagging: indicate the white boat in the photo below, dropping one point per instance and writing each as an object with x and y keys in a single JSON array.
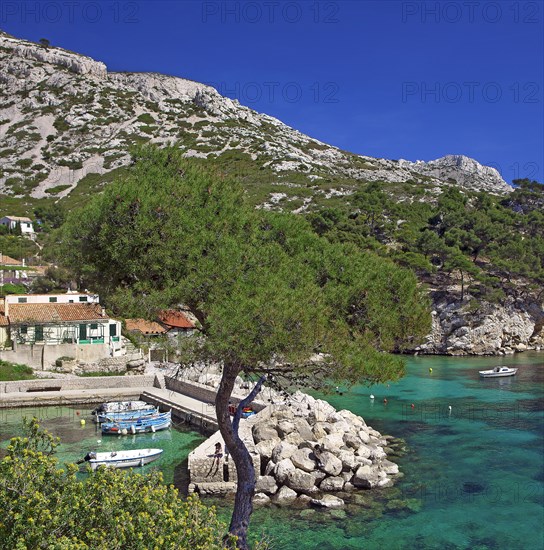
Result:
[
  {"x": 498, "y": 372},
  {"x": 122, "y": 406},
  {"x": 125, "y": 415},
  {"x": 122, "y": 459}
]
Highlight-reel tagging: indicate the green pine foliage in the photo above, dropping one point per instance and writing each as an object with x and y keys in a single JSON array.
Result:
[
  {"x": 487, "y": 245},
  {"x": 265, "y": 287}
]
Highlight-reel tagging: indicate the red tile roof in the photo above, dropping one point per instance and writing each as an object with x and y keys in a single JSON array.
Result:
[
  {"x": 3, "y": 319},
  {"x": 7, "y": 260},
  {"x": 53, "y": 313},
  {"x": 175, "y": 319},
  {"x": 143, "y": 326}
]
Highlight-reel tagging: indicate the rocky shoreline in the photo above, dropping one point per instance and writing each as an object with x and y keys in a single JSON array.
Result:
[
  {"x": 307, "y": 453},
  {"x": 472, "y": 327},
  {"x": 310, "y": 450}
]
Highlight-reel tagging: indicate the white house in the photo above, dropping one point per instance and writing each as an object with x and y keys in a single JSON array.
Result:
[
  {"x": 24, "y": 223},
  {"x": 44, "y": 327}
]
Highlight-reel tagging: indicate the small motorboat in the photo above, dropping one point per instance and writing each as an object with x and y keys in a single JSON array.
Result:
[
  {"x": 498, "y": 372},
  {"x": 121, "y": 459},
  {"x": 144, "y": 424}
]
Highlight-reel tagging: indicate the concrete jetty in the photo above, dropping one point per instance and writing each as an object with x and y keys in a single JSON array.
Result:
[{"x": 74, "y": 390}]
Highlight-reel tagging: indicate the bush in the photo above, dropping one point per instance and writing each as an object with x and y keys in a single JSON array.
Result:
[{"x": 45, "y": 506}]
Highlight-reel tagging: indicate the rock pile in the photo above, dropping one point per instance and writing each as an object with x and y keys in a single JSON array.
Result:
[{"x": 309, "y": 450}]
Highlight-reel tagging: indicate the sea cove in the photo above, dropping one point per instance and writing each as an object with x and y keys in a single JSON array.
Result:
[{"x": 471, "y": 473}]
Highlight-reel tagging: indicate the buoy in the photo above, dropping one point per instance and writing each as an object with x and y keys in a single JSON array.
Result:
[
  {"x": 371, "y": 396},
  {"x": 124, "y": 431},
  {"x": 412, "y": 405},
  {"x": 430, "y": 369},
  {"x": 99, "y": 441},
  {"x": 385, "y": 400},
  {"x": 449, "y": 407},
  {"x": 82, "y": 422}
]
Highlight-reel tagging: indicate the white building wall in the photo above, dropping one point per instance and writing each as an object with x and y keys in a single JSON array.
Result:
[{"x": 67, "y": 298}]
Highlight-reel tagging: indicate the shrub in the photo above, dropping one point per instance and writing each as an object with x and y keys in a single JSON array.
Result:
[{"x": 45, "y": 506}]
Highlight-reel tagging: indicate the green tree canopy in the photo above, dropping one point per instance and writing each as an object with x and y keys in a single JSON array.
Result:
[{"x": 269, "y": 293}]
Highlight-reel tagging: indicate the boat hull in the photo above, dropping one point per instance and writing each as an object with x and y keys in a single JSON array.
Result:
[
  {"x": 142, "y": 425},
  {"x": 501, "y": 373},
  {"x": 126, "y": 416},
  {"x": 125, "y": 459}
]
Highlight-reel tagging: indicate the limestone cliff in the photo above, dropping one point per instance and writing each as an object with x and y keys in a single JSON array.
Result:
[
  {"x": 64, "y": 117},
  {"x": 468, "y": 327}
]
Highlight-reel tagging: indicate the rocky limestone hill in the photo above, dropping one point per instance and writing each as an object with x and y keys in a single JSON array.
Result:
[
  {"x": 475, "y": 327},
  {"x": 67, "y": 123},
  {"x": 66, "y": 120}
]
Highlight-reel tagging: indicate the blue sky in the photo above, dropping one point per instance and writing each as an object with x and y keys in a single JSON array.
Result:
[{"x": 392, "y": 79}]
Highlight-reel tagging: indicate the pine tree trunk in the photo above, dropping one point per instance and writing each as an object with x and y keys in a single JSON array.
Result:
[{"x": 243, "y": 504}]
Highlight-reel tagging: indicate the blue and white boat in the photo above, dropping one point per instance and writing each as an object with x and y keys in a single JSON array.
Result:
[
  {"x": 126, "y": 415},
  {"x": 115, "y": 407},
  {"x": 122, "y": 459},
  {"x": 145, "y": 424}
]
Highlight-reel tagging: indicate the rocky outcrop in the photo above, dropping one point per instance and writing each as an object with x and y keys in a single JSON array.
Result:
[
  {"x": 463, "y": 171},
  {"x": 306, "y": 453},
  {"x": 73, "y": 62},
  {"x": 63, "y": 116},
  {"x": 321, "y": 451},
  {"x": 480, "y": 328}
]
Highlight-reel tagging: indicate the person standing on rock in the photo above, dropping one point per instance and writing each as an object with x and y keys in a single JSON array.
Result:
[{"x": 317, "y": 454}]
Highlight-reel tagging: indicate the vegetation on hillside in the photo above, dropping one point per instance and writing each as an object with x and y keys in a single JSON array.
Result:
[{"x": 491, "y": 246}]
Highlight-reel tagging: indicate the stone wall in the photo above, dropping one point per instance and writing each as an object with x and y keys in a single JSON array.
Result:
[
  {"x": 205, "y": 468},
  {"x": 43, "y": 357},
  {"x": 78, "y": 383}
]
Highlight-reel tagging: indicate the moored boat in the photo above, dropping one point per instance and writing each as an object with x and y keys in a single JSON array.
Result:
[
  {"x": 122, "y": 459},
  {"x": 146, "y": 424},
  {"x": 122, "y": 406},
  {"x": 126, "y": 415},
  {"x": 498, "y": 372}
]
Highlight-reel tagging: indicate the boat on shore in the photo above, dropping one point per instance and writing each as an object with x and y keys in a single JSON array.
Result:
[
  {"x": 498, "y": 372},
  {"x": 122, "y": 459},
  {"x": 145, "y": 424}
]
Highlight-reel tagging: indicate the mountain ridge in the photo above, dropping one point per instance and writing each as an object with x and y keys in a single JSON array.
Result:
[{"x": 64, "y": 117}]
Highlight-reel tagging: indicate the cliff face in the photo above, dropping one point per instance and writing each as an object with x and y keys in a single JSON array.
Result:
[
  {"x": 466, "y": 328},
  {"x": 63, "y": 116}
]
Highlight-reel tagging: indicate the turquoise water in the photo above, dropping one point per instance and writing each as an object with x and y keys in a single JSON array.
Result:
[
  {"x": 473, "y": 476},
  {"x": 77, "y": 440}
]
